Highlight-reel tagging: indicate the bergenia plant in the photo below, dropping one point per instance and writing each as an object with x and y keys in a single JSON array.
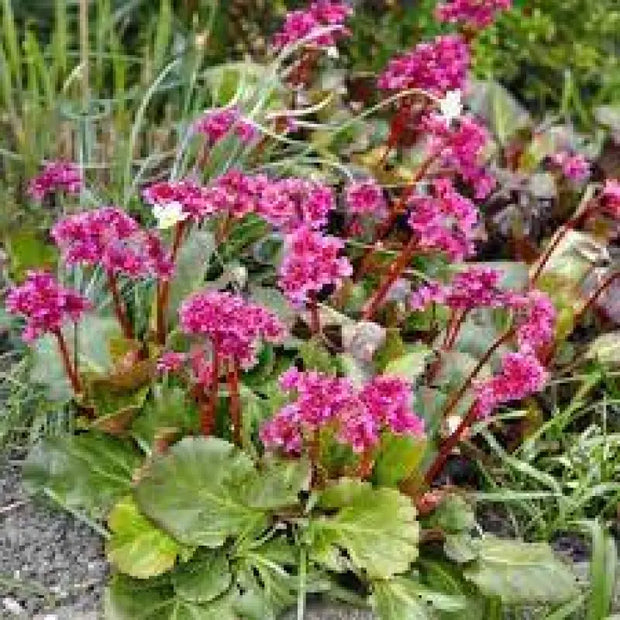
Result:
[{"x": 299, "y": 350}]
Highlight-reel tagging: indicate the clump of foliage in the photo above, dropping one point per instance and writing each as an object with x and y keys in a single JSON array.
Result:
[{"x": 270, "y": 365}]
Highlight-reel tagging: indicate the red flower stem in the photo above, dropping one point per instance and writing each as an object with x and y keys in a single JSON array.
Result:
[
  {"x": 314, "y": 452},
  {"x": 446, "y": 448},
  {"x": 66, "y": 360},
  {"x": 119, "y": 309},
  {"x": 393, "y": 273},
  {"x": 549, "y": 355},
  {"x": 456, "y": 328},
  {"x": 208, "y": 412},
  {"x": 315, "y": 318},
  {"x": 163, "y": 287},
  {"x": 474, "y": 373},
  {"x": 365, "y": 465},
  {"x": 235, "y": 400}
]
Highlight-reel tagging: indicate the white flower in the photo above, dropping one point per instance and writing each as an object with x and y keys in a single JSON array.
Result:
[
  {"x": 451, "y": 106},
  {"x": 168, "y": 215}
]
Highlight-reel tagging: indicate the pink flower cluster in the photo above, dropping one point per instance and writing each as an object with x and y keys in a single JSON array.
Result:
[
  {"x": 233, "y": 325},
  {"x": 437, "y": 66},
  {"x": 111, "y": 238},
  {"x": 320, "y": 14},
  {"x": 520, "y": 376},
  {"x": 193, "y": 198},
  {"x": 217, "y": 124},
  {"x": 423, "y": 297},
  {"x": 536, "y": 318},
  {"x": 475, "y": 13},
  {"x": 311, "y": 262},
  {"x": 610, "y": 198},
  {"x": 237, "y": 193},
  {"x": 45, "y": 304},
  {"x": 460, "y": 146},
  {"x": 171, "y": 362},
  {"x": 290, "y": 203},
  {"x": 56, "y": 176},
  {"x": 444, "y": 221},
  {"x": 477, "y": 287},
  {"x": 357, "y": 419},
  {"x": 574, "y": 166},
  {"x": 365, "y": 198}
]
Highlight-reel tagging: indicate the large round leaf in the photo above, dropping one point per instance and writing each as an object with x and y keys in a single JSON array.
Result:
[
  {"x": 137, "y": 547},
  {"x": 377, "y": 528},
  {"x": 87, "y": 472},
  {"x": 195, "y": 492}
]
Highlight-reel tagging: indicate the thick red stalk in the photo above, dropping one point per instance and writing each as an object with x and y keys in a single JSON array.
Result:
[
  {"x": 315, "y": 318},
  {"x": 208, "y": 411},
  {"x": 66, "y": 360},
  {"x": 394, "y": 272},
  {"x": 235, "y": 400},
  {"x": 119, "y": 309}
]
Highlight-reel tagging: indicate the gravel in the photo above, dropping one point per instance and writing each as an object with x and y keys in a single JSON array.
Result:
[{"x": 51, "y": 565}]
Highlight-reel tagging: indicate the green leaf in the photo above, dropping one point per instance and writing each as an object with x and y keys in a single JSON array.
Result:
[
  {"x": 168, "y": 409},
  {"x": 136, "y": 547},
  {"x": 205, "y": 577},
  {"x": 89, "y": 471},
  {"x": 460, "y": 548},
  {"x": 156, "y": 599},
  {"x": 190, "y": 268},
  {"x": 376, "y": 527},
  {"x": 606, "y": 349},
  {"x": 279, "y": 484},
  {"x": 94, "y": 336},
  {"x": 198, "y": 492},
  {"x": 400, "y": 598},
  {"x": 411, "y": 365},
  {"x": 399, "y": 457},
  {"x": 316, "y": 357},
  {"x": 453, "y": 515},
  {"x": 521, "y": 573},
  {"x": 28, "y": 250}
]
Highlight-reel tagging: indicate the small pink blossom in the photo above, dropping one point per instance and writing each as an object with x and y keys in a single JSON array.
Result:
[
  {"x": 520, "y": 376},
  {"x": 290, "y": 203},
  {"x": 460, "y": 146},
  {"x": 233, "y": 325},
  {"x": 320, "y": 14},
  {"x": 171, "y": 362},
  {"x": 475, "y": 13},
  {"x": 194, "y": 199},
  {"x": 423, "y": 297},
  {"x": 536, "y": 320},
  {"x": 365, "y": 198},
  {"x": 217, "y": 124},
  {"x": 45, "y": 304},
  {"x": 574, "y": 166},
  {"x": 477, "y": 287},
  {"x": 56, "y": 176},
  {"x": 312, "y": 261},
  {"x": 111, "y": 238},
  {"x": 610, "y": 198},
  {"x": 444, "y": 221},
  {"x": 237, "y": 193},
  {"x": 437, "y": 66}
]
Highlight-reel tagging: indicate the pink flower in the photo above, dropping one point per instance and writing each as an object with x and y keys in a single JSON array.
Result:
[
  {"x": 445, "y": 221},
  {"x": 437, "y": 66},
  {"x": 290, "y": 203},
  {"x": 574, "y": 166},
  {"x": 536, "y": 320},
  {"x": 476, "y": 13},
  {"x": 111, "y": 238},
  {"x": 195, "y": 200},
  {"x": 237, "y": 193},
  {"x": 56, "y": 176},
  {"x": 460, "y": 146},
  {"x": 311, "y": 262},
  {"x": 45, "y": 304},
  {"x": 323, "y": 401},
  {"x": 320, "y": 14},
  {"x": 521, "y": 375},
  {"x": 610, "y": 198},
  {"x": 430, "y": 293},
  {"x": 477, "y": 287},
  {"x": 233, "y": 325},
  {"x": 365, "y": 198},
  {"x": 217, "y": 124},
  {"x": 171, "y": 362}
]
